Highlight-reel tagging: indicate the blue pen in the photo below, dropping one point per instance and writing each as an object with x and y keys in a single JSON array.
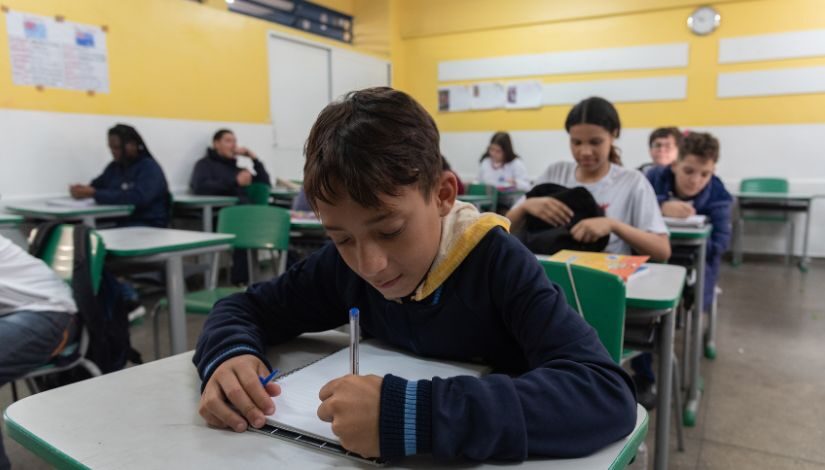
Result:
[
  {"x": 354, "y": 335},
  {"x": 268, "y": 378}
]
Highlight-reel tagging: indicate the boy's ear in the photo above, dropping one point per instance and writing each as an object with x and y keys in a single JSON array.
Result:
[{"x": 446, "y": 191}]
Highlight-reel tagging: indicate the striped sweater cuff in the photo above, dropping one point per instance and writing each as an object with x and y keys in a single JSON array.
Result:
[
  {"x": 206, "y": 372},
  {"x": 406, "y": 409}
]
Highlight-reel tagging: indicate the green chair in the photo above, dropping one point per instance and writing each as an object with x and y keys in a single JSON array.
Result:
[
  {"x": 58, "y": 253},
  {"x": 764, "y": 185},
  {"x": 258, "y": 193},
  {"x": 481, "y": 189},
  {"x": 255, "y": 228}
]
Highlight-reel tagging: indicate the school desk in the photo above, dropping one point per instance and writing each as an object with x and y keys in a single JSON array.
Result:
[
  {"x": 88, "y": 215},
  {"x": 146, "y": 417},
  {"x": 130, "y": 245},
  {"x": 773, "y": 202},
  {"x": 479, "y": 200},
  {"x": 10, "y": 220},
  {"x": 654, "y": 293},
  {"x": 206, "y": 205}
]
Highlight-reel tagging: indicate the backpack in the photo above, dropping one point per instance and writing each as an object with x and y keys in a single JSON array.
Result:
[
  {"x": 103, "y": 314},
  {"x": 542, "y": 238}
]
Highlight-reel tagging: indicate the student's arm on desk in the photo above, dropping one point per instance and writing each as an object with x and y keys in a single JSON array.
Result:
[
  {"x": 230, "y": 354},
  {"x": 573, "y": 401},
  {"x": 149, "y": 183}
]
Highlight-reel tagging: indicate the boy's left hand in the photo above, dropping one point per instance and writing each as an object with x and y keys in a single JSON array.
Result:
[
  {"x": 352, "y": 404},
  {"x": 590, "y": 230}
]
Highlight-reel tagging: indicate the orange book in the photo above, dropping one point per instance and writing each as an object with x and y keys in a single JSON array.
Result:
[{"x": 620, "y": 265}]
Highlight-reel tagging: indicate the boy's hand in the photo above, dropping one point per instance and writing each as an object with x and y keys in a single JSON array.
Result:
[
  {"x": 678, "y": 209},
  {"x": 81, "y": 191},
  {"x": 590, "y": 230},
  {"x": 236, "y": 381},
  {"x": 244, "y": 178},
  {"x": 352, "y": 404},
  {"x": 549, "y": 209},
  {"x": 246, "y": 152}
]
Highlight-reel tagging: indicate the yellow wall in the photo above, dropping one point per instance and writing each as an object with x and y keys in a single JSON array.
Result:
[
  {"x": 424, "y": 37},
  {"x": 167, "y": 58}
]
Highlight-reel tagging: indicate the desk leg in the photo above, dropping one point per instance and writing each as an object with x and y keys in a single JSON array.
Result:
[
  {"x": 739, "y": 236},
  {"x": 803, "y": 263},
  {"x": 664, "y": 382},
  {"x": 206, "y": 215},
  {"x": 696, "y": 334},
  {"x": 177, "y": 309}
]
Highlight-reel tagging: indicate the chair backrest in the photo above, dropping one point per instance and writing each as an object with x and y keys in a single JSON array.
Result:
[
  {"x": 481, "y": 189},
  {"x": 258, "y": 193},
  {"x": 256, "y": 227},
  {"x": 764, "y": 185},
  {"x": 602, "y": 299},
  {"x": 58, "y": 252}
]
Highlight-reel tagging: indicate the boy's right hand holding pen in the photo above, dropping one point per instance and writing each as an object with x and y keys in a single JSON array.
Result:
[{"x": 237, "y": 381}]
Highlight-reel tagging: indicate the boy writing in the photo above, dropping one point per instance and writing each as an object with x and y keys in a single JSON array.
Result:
[{"x": 430, "y": 275}]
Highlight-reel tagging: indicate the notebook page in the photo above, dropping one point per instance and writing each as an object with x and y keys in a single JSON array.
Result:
[{"x": 297, "y": 406}]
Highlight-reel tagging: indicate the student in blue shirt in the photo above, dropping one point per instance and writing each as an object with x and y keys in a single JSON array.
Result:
[
  {"x": 431, "y": 275},
  {"x": 133, "y": 178},
  {"x": 684, "y": 188},
  {"x": 664, "y": 147}
]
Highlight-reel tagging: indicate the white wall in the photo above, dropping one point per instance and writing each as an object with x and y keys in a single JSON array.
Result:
[{"x": 789, "y": 151}]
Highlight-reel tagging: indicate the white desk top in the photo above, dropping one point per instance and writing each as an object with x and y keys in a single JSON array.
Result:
[
  {"x": 146, "y": 417},
  {"x": 197, "y": 200},
  {"x": 42, "y": 207},
  {"x": 658, "y": 286},
  {"x": 139, "y": 241}
]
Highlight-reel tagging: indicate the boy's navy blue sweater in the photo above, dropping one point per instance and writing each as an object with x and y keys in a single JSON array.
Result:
[
  {"x": 554, "y": 390},
  {"x": 140, "y": 183},
  {"x": 215, "y": 175},
  {"x": 713, "y": 201}
]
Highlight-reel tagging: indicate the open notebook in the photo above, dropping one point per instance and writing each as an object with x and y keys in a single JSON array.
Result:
[
  {"x": 697, "y": 221},
  {"x": 295, "y": 418}
]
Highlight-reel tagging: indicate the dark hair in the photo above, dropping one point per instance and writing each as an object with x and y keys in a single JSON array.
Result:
[
  {"x": 502, "y": 139},
  {"x": 219, "y": 134},
  {"x": 128, "y": 134},
  {"x": 701, "y": 144},
  {"x": 599, "y": 112},
  {"x": 664, "y": 133},
  {"x": 373, "y": 142}
]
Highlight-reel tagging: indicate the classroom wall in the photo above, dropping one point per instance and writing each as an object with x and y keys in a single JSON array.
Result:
[
  {"x": 761, "y": 136},
  {"x": 178, "y": 71}
]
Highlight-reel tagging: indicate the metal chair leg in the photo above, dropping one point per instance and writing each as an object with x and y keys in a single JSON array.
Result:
[
  {"x": 677, "y": 406},
  {"x": 30, "y": 383},
  {"x": 14, "y": 396},
  {"x": 156, "y": 329},
  {"x": 790, "y": 242}
]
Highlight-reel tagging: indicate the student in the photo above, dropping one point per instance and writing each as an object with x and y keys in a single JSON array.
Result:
[
  {"x": 37, "y": 316},
  {"x": 664, "y": 147},
  {"x": 687, "y": 187},
  {"x": 501, "y": 167},
  {"x": 632, "y": 216},
  {"x": 412, "y": 258},
  {"x": 134, "y": 178},
  {"x": 219, "y": 171}
]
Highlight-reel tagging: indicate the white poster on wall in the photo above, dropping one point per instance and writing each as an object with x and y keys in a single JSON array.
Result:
[
  {"x": 54, "y": 53},
  {"x": 454, "y": 98},
  {"x": 487, "y": 95},
  {"x": 522, "y": 95}
]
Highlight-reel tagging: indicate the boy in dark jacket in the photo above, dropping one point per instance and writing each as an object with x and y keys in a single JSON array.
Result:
[
  {"x": 689, "y": 187},
  {"x": 218, "y": 172},
  {"x": 430, "y": 275}
]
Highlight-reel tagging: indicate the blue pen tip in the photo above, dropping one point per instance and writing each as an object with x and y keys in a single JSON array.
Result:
[{"x": 353, "y": 312}]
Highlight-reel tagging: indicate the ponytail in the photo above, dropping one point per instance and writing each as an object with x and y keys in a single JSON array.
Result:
[{"x": 614, "y": 157}]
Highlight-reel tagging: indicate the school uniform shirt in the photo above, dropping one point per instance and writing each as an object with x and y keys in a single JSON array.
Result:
[
  {"x": 554, "y": 390},
  {"x": 215, "y": 175},
  {"x": 508, "y": 175},
  {"x": 27, "y": 283},
  {"x": 140, "y": 183},
  {"x": 714, "y": 202},
  {"x": 624, "y": 194}
]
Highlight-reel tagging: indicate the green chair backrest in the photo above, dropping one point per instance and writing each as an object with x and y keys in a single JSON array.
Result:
[
  {"x": 258, "y": 193},
  {"x": 481, "y": 189},
  {"x": 764, "y": 185},
  {"x": 256, "y": 227},
  {"x": 602, "y": 298},
  {"x": 58, "y": 253}
]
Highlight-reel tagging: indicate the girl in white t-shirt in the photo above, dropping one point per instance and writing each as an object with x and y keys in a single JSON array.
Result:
[
  {"x": 501, "y": 167},
  {"x": 632, "y": 216}
]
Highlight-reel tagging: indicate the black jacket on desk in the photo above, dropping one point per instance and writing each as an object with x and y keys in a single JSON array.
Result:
[
  {"x": 140, "y": 183},
  {"x": 215, "y": 175},
  {"x": 554, "y": 390}
]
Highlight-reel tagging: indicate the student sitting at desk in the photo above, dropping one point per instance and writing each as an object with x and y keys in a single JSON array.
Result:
[
  {"x": 501, "y": 167},
  {"x": 664, "y": 147},
  {"x": 632, "y": 216},
  {"x": 133, "y": 178},
  {"x": 688, "y": 187},
  {"x": 415, "y": 261},
  {"x": 227, "y": 169},
  {"x": 37, "y": 316}
]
